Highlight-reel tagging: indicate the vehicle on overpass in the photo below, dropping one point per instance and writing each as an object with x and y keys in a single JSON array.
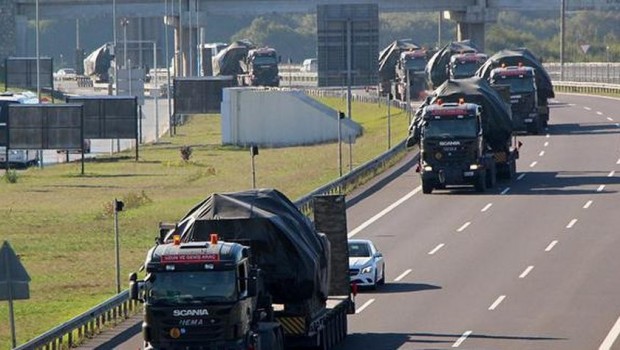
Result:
[
  {"x": 526, "y": 113},
  {"x": 246, "y": 270},
  {"x": 465, "y": 135},
  {"x": 366, "y": 264}
]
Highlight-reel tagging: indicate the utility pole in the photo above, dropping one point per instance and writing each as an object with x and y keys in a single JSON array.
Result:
[{"x": 562, "y": 34}]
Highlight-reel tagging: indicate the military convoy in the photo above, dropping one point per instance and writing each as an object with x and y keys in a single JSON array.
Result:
[
  {"x": 249, "y": 65},
  {"x": 247, "y": 270}
]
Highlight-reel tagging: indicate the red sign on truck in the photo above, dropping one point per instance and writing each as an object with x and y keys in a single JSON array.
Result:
[{"x": 189, "y": 258}]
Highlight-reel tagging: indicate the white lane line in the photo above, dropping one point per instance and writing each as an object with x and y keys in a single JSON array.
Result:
[
  {"x": 571, "y": 223},
  {"x": 599, "y": 113},
  {"x": 383, "y": 212},
  {"x": 461, "y": 339},
  {"x": 402, "y": 275},
  {"x": 526, "y": 271},
  {"x": 610, "y": 119},
  {"x": 465, "y": 225},
  {"x": 542, "y": 153},
  {"x": 547, "y": 136},
  {"x": 587, "y": 205},
  {"x": 611, "y": 336},
  {"x": 436, "y": 249},
  {"x": 546, "y": 144},
  {"x": 486, "y": 207},
  {"x": 505, "y": 190},
  {"x": 533, "y": 164},
  {"x": 618, "y": 161},
  {"x": 521, "y": 177},
  {"x": 587, "y": 108},
  {"x": 497, "y": 302},
  {"x": 612, "y": 173},
  {"x": 550, "y": 246},
  {"x": 600, "y": 188},
  {"x": 365, "y": 305}
]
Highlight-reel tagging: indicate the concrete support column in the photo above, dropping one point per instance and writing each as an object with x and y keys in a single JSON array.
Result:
[
  {"x": 21, "y": 35},
  {"x": 473, "y": 31}
]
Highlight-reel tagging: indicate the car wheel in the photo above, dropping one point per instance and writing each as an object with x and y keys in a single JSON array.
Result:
[
  {"x": 382, "y": 280},
  {"x": 375, "y": 282}
]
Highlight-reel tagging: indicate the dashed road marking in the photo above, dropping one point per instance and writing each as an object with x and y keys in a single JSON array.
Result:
[
  {"x": 497, "y": 302},
  {"x": 571, "y": 223},
  {"x": 365, "y": 305},
  {"x": 587, "y": 205},
  {"x": 521, "y": 177},
  {"x": 551, "y": 245},
  {"x": 600, "y": 188},
  {"x": 436, "y": 249},
  {"x": 547, "y": 136},
  {"x": 542, "y": 153},
  {"x": 612, "y": 173},
  {"x": 486, "y": 207},
  {"x": 533, "y": 164},
  {"x": 461, "y": 339},
  {"x": 402, "y": 275},
  {"x": 383, "y": 212},
  {"x": 610, "y": 119},
  {"x": 599, "y": 113},
  {"x": 546, "y": 144},
  {"x": 611, "y": 336},
  {"x": 505, "y": 190},
  {"x": 587, "y": 108},
  {"x": 526, "y": 271},
  {"x": 618, "y": 161},
  {"x": 462, "y": 228}
]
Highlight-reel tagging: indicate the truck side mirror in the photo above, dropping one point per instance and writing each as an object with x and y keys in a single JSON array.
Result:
[
  {"x": 134, "y": 287},
  {"x": 253, "y": 283}
]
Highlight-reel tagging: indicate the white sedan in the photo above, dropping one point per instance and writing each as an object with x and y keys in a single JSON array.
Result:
[{"x": 366, "y": 264}]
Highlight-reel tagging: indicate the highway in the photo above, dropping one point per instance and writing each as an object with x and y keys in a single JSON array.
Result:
[{"x": 531, "y": 264}]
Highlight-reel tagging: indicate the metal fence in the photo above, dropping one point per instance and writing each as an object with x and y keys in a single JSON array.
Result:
[
  {"x": 120, "y": 307},
  {"x": 597, "y": 72}
]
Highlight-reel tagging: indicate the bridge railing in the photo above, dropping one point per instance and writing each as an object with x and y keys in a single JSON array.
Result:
[{"x": 119, "y": 307}]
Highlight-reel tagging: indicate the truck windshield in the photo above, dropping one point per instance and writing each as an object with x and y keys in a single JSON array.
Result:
[
  {"x": 188, "y": 287},
  {"x": 464, "y": 69},
  {"x": 517, "y": 85},
  {"x": 264, "y": 60},
  {"x": 415, "y": 63},
  {"x": 450, "y": 128}
]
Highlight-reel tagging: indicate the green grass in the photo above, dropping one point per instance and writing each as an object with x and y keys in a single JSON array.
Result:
[{"x": 60, "y": 222}]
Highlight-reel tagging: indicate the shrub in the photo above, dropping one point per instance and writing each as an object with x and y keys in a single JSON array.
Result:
[
  {"x": 11, "y": 176},
  {"x": 186, "y": 153}
]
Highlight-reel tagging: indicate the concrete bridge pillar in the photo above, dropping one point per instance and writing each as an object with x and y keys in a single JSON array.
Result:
[{"x": 471, "y": 23}]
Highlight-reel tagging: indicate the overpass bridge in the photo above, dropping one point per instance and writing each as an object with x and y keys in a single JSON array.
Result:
[{"x": 189, "y": 17}]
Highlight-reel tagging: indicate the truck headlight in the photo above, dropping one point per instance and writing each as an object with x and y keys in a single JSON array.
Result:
[
  {"x": 474, "y": 167},
  {"x": 367, "y": 269},
  {"x": 428, "y": 168}
]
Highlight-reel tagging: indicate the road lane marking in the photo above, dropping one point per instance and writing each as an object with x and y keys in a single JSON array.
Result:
[
  {"x": 461, "y": 339},
  {"x": 465, "y": 225},
  {"x": 402, "y": 275},
  {"x": 547, "y": 136},
  {"x": 526, "y": 271},
  {"x": 497, "y": 302},
  {"x": 542, "y": 153},
  {"x": 612, "y": 173},
  {"x": 486, "y": 207},
  {"x": 587, "y": 108},
  {"x": 600, "y": 188},
  {"x": 571, "y": 223},
  {"x": 533, "y": 164},
  {"x": 383, "y": 212},
  {"x": 618, "y": 161},
  {"x": 505, "y": 190},
  {"x": 550, "y": 246},
  {"x": 587, "y": 205},
  {"x": 365, "y": 305},
  {"x": 599, "y": 113},
  {"x": 436, "y": 249},
  {"x": 546, "y": 144},
  {"x": 611, "y": 336},
  {"x": 610, "y": 119},
  {"x": 521, "y": 177}
]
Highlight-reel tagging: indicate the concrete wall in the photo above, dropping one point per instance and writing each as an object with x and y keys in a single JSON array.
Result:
[{"x": 272, "y": 118}]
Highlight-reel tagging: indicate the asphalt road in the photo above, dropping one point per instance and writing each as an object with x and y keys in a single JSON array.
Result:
[{"x": 531, "y": 264}]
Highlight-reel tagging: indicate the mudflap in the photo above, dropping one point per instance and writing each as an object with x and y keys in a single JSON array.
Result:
[{"x": 270, "y": 336}]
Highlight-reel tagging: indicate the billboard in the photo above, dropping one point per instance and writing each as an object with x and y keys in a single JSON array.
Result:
[
  {"x": 109, "y": 117},
  {"x": 45, "y": 126},
  {"x": 21, "y": 72},
  {"x": 199, "y": 95}
]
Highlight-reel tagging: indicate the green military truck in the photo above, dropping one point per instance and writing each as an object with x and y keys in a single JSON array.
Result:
[{"x": 247, "y": 270}]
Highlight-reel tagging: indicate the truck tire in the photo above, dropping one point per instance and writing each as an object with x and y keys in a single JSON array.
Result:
[
  {"x": 481, "y": 183},
  {"x": 512, "y": 169},
  {"x": 427, "y": 187},
  {"x": 491, "y": 176}
]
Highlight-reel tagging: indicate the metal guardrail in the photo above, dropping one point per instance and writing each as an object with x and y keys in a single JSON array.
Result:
[{"x": 120, "y": 307}]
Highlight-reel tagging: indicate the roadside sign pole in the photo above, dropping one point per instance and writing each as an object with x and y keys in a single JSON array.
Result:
[
  {"x": 10, "y": 292},
  {"x": 117, "y": 204}
]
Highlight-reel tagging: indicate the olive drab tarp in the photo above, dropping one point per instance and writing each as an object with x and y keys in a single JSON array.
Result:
[
  {"x": 437, "y": 66},
  {"x": 390, "y": 55},
  {"x": 227, "y": 61}
]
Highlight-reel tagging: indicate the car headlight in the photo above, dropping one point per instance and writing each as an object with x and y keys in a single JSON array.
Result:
[
  {"x": 367, "y": 269},
  {"x": 473, "y": 167}
]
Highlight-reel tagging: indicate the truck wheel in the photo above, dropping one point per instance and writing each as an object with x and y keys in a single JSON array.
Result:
[
  {"x": 491, "y": 176},
  {"x": 427, "y": 187},
  {"x": 512, "y": 169},
  {"x": 481, "y": 182}
]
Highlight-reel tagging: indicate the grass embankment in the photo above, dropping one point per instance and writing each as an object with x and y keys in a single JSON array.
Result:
[{"x": 61, "y": 223}]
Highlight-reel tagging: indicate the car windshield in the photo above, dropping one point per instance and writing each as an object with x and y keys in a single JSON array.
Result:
[
  {"x": 359, "y": 250},
  {"x": 190, "y": 287},
  {"x": 517, "y": 85},
  {"x": 449, "y": 128}
]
